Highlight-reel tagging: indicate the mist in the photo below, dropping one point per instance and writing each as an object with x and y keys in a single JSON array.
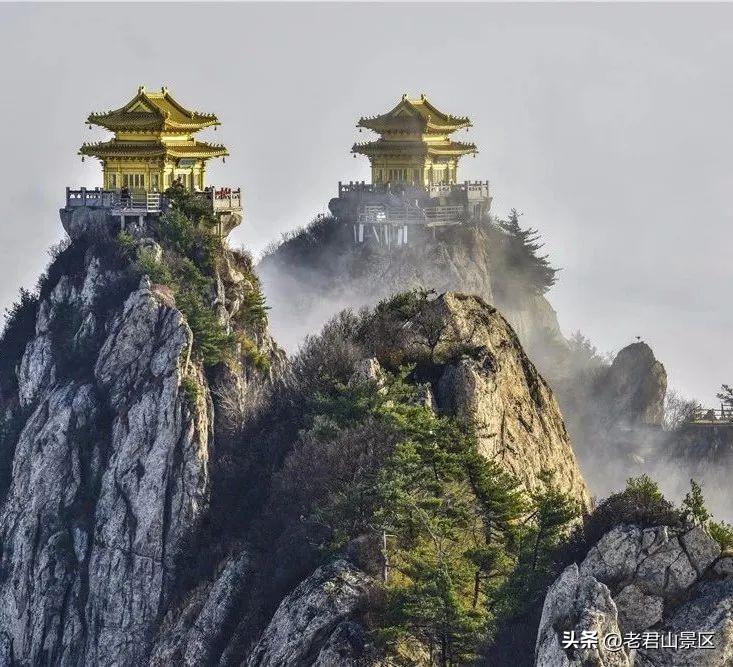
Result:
[{"x": 607, "y": 124}]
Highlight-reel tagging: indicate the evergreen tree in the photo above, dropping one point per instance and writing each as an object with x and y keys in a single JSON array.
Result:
[
  {"x": 726, "y": 395},
  {"x": 694, "y": 505},
  {"x": 521, "y": 255}
]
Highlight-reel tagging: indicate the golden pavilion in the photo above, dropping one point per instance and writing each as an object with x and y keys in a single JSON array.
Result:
[
  {"x": 415, "y": 146},
  {"x": 154, "y": 144}
]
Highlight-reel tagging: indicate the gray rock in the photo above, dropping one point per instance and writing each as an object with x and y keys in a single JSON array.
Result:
[
  {"x": 307, "y": 617},
  {"x": 344, "y": 648},
  {"x": 632, "y": 581},
  {"x": 724, "y": 567},
  {"x": 635, "y": 387},
  {"x": 88, "y": 223},
  {"x": 636, "y": 609},
  {"x": 709, "y": 610},
  {"x": 367, "y": 371},
  {"x": 196, "y": 634}
]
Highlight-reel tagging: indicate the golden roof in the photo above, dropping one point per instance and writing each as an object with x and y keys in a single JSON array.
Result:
[
  {"x": 384, "y": 148},
  {"x": 179, "y": 149},
  {"x": 414, "y": 116},
  {"x": 153, "y": 111}
]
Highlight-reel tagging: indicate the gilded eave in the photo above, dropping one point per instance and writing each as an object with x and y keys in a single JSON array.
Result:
[
  {"x": 411, "y": 115},
  {"x": 382, "y": 148},
  {"x": 153, "y": 111},
  {"x": 151, "y": 149}
]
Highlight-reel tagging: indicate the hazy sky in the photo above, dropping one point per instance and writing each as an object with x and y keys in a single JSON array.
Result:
[{"x": 609, "y": 126}]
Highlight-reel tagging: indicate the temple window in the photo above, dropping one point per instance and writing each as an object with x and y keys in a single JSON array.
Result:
[{"x": 134, "y": 181}]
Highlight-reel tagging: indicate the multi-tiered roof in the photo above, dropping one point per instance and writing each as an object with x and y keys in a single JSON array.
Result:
[
  {"x": 415, "y": 127},
  {"x": 414, "y": 146},
  {"x": 153, "y": 125}
]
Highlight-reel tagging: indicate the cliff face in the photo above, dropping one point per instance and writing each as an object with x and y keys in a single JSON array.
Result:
[
  {"x": 127, "y": 450},
  {"x": 110, "y": 433},
  {"x": 495, "y": 386},
  {"x": 109, "y": 477}
]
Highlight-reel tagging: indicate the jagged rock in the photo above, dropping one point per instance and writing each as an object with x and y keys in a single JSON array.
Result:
[
  {"x": 660, "y": 561},
  {"x": 724, "y": 567},
  {"x": 636, "y": 609},
  {"x": 628, "y": 582},
  {"x": 634, "y": 388},
  {"x": 709, "y": 610},
  {"x": 367, "y": 371},
  {"x": 151, "y": 248},
  {"x": 196, "y": 634},
  {"x": 305, "y": 620},
  {"x": 490, "y": 382},
  {"x": 345, "y": 647}
]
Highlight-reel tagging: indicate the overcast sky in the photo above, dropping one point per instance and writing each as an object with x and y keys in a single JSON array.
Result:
[{"x": 608, "y": 126}]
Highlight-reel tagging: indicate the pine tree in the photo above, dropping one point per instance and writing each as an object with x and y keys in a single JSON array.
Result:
[
  {"x": 522, "y": 258},
  {"x": 694, "y": 505}
]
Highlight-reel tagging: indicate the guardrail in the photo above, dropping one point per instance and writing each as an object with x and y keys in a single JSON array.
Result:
[
  {"x": 225, "y": 199},
  {"x": 143, "y": 201},
  {"x": 444, "y": 213},
  {"x": 96, "y": 198},
  {"x": 724, "y": 414}
]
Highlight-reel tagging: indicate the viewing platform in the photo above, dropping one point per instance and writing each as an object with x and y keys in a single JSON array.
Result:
[
  {"x": 722, "y": 415},
  {"x": 143, "y": 202},
  {"x": 384, "y": 212}
]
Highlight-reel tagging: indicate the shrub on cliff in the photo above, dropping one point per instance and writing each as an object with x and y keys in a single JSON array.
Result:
[{"x": 20, "y": 325}]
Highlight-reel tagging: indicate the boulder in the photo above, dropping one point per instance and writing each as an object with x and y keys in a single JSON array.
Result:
[
  {"x": 306, "y": 621},
  {"x": 632, "y": 581}
]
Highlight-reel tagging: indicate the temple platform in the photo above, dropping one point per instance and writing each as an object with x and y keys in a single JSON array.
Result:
[
  {"x": 385, "y": 212},
  {"x": 137, "y": 205}
]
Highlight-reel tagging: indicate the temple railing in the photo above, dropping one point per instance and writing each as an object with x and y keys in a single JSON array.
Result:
[
  {"x": 722, "y": 415},
  {"x": 444, "y": 213},
  {"x": 471, "y": 189},
  {"x": 222, "y": 199},
  {"x": 96, "y": 198}
]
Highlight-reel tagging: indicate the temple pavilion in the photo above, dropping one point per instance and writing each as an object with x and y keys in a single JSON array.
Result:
[
  {"x": 415, "y": 185},
  {"x": 415, "y": 146},
  {"x": 154, "y": 144}
]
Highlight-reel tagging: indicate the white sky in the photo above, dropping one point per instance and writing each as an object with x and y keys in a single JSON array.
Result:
[{"x": 608, "y": 125}]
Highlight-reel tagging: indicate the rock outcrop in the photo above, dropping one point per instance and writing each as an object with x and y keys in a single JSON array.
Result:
[
  {"x": 313, "y": 625},
  {"x": 658, "y": 581},
  {"x": 109, "y": 476},
  {"x": 483, "y": 376},
  {"x": 634, "y": 388},
  {"x": 110, "y": 479}
]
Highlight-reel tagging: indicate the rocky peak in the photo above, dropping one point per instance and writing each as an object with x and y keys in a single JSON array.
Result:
[
  {"x": 484, "y": 377},
  {"x": 634, "y": 387},
  {"x": 110, "y": 435}
]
